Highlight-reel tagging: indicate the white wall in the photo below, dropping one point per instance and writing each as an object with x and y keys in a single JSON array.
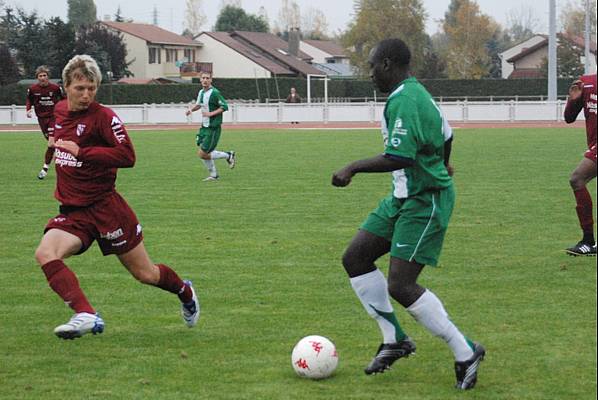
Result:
[
  {"x": 319, "y": 56},
  {"x": 226, "y": 62}
]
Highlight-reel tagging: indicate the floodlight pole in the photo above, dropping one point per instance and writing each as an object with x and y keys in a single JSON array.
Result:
[
  {"x": 552, "y": 52},
  {"x": 586, "y": 37}
]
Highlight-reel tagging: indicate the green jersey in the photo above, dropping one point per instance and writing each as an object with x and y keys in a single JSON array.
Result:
[
  {"x": 413, "y": 127},
  {"x": 211, "y": 100}
]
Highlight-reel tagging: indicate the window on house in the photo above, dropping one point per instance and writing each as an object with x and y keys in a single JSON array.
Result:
[
  {"x": 154, "y": 55},
  {"x": 189, "y": 54},
  {"x": 171, "y": 55}
]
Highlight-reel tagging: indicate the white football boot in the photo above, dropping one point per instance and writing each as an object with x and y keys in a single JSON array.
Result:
[
  {"x": 79, "y": 325},
  {"x": 190, "y": 311}
]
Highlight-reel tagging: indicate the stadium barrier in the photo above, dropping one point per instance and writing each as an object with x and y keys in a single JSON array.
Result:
[{"x": 239, "y": 113}]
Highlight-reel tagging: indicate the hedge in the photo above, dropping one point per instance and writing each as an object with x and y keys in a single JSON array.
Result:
[{"x": 262, "y": 89}]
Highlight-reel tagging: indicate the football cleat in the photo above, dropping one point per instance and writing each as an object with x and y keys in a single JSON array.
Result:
[
  {"x": 79, "y": 325},
  {"x": 232, "y": 159},
  {"x": 211, "y": 179},
  {"x": 190, "y": 311},
  {"x": 42, "y": 174},
  {"x": 582, "y": 249},
  {"x": 467, "y": 371},
  {"x": 388, "y": 353}
]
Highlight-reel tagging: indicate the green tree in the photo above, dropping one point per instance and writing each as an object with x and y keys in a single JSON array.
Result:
[
  {"x": 29, "y": 42},
  {"x": 468, "y": 32},
  {"x": 381, "y": 19},
  {"x": 106, "y": 47},
  {"x": 568, "y": 60},
  {"x": 81, "y": 12},
  {"x": 60, "y": 44},
  {"x": 233, "y": 18},
  {"x": 9, "y": 72},
  {"x": 118, "y": 16}
]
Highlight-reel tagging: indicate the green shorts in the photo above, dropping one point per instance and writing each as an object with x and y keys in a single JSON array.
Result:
[
  {"x": 207, "y": 138},
  {"x": 415, "y": 226}
]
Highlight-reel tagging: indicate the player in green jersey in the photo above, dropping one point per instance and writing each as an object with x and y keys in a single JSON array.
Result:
[
  {"x": 411, "y": 222},
  {"x": 212, "y": 105}
]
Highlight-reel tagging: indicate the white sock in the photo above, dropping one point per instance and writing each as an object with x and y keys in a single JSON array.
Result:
[
  {"x": 372, "y": 291},
  {"x": 219, "y": 154},
  {"x": 45, "y": 166},
  {"x": 211, "y": 167},
  {"x": 429, "y": 311}
]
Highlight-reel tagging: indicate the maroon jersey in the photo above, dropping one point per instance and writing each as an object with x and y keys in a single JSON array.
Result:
[
  {"x": 104, "y": 146},
  {"x": 587, "y": 102},
  {"x": 43, "y": 99}
]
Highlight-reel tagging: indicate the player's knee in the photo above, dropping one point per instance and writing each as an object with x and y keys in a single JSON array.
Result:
[
  {"x": 576, "y": 181},
  {"x": 204, "y": 156},
  {"x": 44, "y": 254},
  {"x": 404, "y": 294}
]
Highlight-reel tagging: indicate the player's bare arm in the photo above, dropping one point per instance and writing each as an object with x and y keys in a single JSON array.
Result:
[
  {"x": 193, "y": 109},
  {"x": 380, "y": 163},
  {"x": 212, "y": 113}
]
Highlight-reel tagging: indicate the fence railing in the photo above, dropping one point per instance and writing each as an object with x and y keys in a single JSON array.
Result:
[{"x": 460, "y": 111}]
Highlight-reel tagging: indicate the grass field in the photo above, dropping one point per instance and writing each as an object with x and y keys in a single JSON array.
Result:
[{"x": 263, "y": 247}]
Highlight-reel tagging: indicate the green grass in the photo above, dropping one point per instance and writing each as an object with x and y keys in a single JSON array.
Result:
[{"x": 263, "y": 246}]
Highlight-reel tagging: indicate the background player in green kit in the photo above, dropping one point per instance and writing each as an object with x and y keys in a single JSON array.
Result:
[
  {"x": 411, "y": 222},
  {"x": 212, "y": 105}
]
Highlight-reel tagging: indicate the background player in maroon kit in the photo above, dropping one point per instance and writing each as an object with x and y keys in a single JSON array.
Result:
[
  {"x": 42, "y": 97},
  {"x": 582, "y": 95},
  {"x": 91, "y": 143}
]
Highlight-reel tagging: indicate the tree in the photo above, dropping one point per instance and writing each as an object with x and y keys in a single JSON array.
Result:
[
  {"x": 81, "y": 12},
  {"x": 29, "y": 42},
  {"x": 381, "y": 19},
  {"x": 522, "y": 24},
  {"x": 106, "y": 47},
  {"x": 468, "y": 32},
  {"x": 9, "y": 72},
  {"x": 289, "y": 16},
  {"x": 233, "y": 18},
  {"x": 118, "y": 16},
  {"x": 60, "y": 44},
  {"x": 314, "y": 24},
  {"x": 194, "y": 17},
  {"x": 572, "y": 18},
  {"x": 434, "y": 66},
  {"x": 568, "y": 60}
]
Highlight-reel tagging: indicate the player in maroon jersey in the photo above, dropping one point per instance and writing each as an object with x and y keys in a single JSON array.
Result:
[
  {"x": 42, "y": 97},
  {"x": 91, "y": 144},
  {"x": 582, "y": 95}
]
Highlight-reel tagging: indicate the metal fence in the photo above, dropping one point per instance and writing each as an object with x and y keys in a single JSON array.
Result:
[{"x": 460, "y": 111}]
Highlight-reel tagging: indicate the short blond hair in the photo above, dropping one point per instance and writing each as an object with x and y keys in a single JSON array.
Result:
[
  {"x": 81, "y": 66},
  {"x": 42, "y": 69}
]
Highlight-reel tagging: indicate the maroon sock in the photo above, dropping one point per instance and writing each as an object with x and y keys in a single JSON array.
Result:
[
  {"x": 48, "y": 156},
  {"x": 64, "y": 282},
  {"x": 584, "y": 210},
  {"x": 170, "y": 281}
]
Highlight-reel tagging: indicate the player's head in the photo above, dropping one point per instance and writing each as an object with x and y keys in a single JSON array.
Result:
[
  {"x": 81, "y": 78},
  {"x": 389, "y": 63},
  {"x": 42, "y": 73},
  {"x": 205, "y": 78}
]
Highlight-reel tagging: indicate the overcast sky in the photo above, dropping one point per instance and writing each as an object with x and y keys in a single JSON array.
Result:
[{"x": 338, "y": 12}]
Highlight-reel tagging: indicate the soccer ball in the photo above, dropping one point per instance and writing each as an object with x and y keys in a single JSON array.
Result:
[{"x": 314, "y": 357}]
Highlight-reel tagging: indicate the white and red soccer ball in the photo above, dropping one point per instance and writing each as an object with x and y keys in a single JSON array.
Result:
[{"x": 314, "y": 357}]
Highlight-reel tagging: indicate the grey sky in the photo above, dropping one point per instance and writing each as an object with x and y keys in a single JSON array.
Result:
[{"x": 338, "y": 12}]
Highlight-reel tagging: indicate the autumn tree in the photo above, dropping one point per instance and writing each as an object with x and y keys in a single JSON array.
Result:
[
  {"x": 573, "y": 15},
  {"x": 289, "y": 16},
  {"x": 381, "y": 19},
  {"x": 81, "y": 12},
  {"x": 194, "y": 17},
  {"x": 522, "y": 24},
  {"x": 314, "y": 24},
  {"x": 468, "y": 32}
]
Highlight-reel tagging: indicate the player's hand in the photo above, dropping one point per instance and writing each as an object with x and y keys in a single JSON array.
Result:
[
  {"x": 29, "y": 113},
  {"x": 206, "y": 114},
  {"x": 575, "y": 90},
  {"x": 68, "y": 145},
  {"x": 187, "y": 113},
  {"x": 450, "y": 169},
  {"x": 342, "y": 177}
]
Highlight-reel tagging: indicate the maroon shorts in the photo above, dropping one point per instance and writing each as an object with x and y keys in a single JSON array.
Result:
[
  {"x": 47, "y": 125},
  {"x": 110, "y": 221},
  {"x": 591, "y": 153}
]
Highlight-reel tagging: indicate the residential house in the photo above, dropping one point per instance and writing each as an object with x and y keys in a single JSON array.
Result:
[
  {"x": 526, "y": 59},
  {"x": 329, "y": 57},
  {"x": 241, "y": 54},
  {"x": 155, "y": 52}
]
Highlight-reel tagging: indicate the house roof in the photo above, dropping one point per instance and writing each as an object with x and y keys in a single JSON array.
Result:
[
  {"x": 576, "y": 40},
  {"x": 267, "y": 50},
  {"x": 526, "y": 73},
  {"x": 152, "y": 33},
  {"x": 327, "y": 46},
  {"x": 255, "y": 56},
  {"x": 337, "y": 70}
]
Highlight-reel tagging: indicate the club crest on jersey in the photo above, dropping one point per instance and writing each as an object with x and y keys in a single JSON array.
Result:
[{"x": 80, "y": 129}]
